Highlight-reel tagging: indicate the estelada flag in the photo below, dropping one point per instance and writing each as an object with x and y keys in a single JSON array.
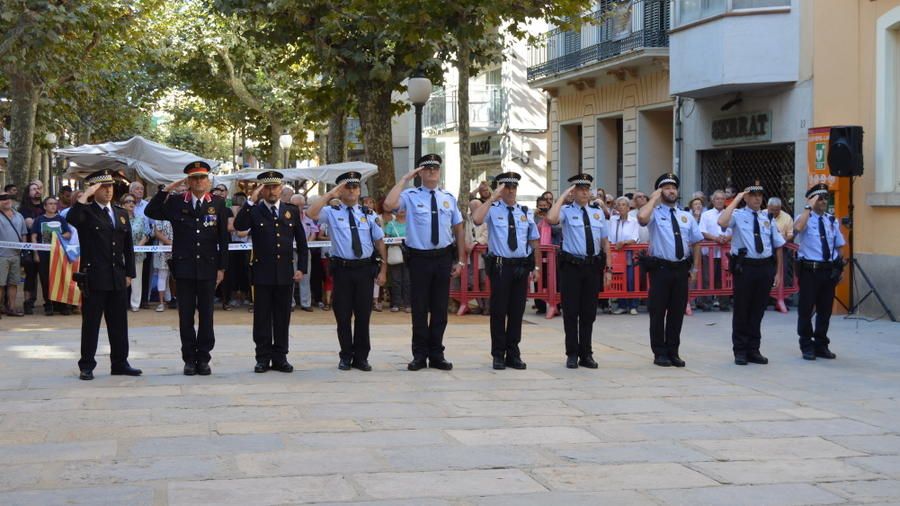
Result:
[{"x": 64, "y": 260}]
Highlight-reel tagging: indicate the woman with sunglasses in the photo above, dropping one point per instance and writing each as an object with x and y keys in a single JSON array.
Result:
[{"x": 140, "y": 238}]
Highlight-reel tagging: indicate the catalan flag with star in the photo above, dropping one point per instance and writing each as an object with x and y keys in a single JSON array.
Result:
[{"x": 65, "y": 259}]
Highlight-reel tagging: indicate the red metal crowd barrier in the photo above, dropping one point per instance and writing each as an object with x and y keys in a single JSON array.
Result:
[{"x": 712, "y": 278}]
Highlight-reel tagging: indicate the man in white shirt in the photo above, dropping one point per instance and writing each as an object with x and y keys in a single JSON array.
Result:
[{"x": 709, "y": 227}]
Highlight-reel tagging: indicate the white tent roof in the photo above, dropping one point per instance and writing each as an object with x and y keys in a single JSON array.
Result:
[
  {"x": 320, "y": 174},
  {"x": 151, "y": 161}
]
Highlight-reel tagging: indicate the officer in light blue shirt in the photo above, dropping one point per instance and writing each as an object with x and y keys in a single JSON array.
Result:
[
  {"x": 756, "y": 267},
  {"x": 513, "y": 253}
]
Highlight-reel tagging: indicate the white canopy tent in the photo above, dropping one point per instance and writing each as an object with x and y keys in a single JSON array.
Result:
[
  {"x": 151, "y": 161},
  {"x": 320, "y": 174}
]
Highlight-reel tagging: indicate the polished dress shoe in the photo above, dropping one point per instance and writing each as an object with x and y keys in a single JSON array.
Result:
[
  {"x": 86, "y": 375},
  {"x": 740, "y": 359},
  {"x": 417, "y": 364},
  {"x": 588, "y": 362},
  {"x": 676, "y": 361},
  {"x": 362, "y": 365},
  {"x": 125, "y": 370},
  {"x": 261, "y": 367},
  {"x": 755, "y": 357},
  {"x": 345, "y": 364},
  {"x": 662, "y": 361},
  {"x": 190, "y": 369},
  {"x": 808, "y": 354},
  {"x": 825, "y": 353},
  {"x": 515, "y": 363},
  {"x": 499, "y": 364},
  {"x": 283, "y": 366},
  {"x": 440, "y": 363},
  {"x": 572, "y": 362},
  {"x": 203, "y": 369}
]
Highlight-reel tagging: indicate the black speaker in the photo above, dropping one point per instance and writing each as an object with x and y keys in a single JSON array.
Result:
[{"x": 845, "y": 155}]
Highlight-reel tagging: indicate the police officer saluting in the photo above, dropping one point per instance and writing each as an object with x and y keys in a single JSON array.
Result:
[
  {"x": 585, "y": 248},
  {"x": 434, "y": 223},
  {"x": 357, "y": 246},
  {"x": 107, "y": 268},
  {"x": 199, "y": 258},
  {"x": 672, "y": 233},
  {"x": 513, "y": 253},
  {"x": 276, "y": 232},
  {"x": 819, "y": 270},
  {"x": 756, "y": 262}
]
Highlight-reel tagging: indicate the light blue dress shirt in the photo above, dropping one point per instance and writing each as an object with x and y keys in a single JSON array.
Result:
[
  {"x": 741, "y": 226},
  {"x": 571, "y": 219},
  {"x": 662, "y": 237},
  {"x": 338, "y": 222},
  {"x": 417, "y": 203},
  {"x": 810, "y": 242},
  {"x": 497, "y": 221}
]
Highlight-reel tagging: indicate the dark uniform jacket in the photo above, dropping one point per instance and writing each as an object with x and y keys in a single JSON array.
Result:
[
  {"x": 274, "y": 242},
  {"x": 107, "y": 252},
  {"x": 200, "y": 239}
]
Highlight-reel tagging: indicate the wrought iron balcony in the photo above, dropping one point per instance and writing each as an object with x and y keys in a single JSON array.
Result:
[
  {"x": 486, "y": 105},
  {"x": 619, "y": 26}
]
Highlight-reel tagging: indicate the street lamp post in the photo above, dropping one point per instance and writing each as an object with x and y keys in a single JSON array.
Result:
[
  {"x": 285, "y": 141},
  {"x": 50, "y": 179},
  {"x": 418, "y": 88}
]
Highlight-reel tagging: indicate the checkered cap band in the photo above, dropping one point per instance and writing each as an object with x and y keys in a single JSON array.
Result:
[
  {"x": 270, "y": 180},
  {"x": 430, "y": 163},
  {"x": 754, "y": 188},
  {"x": 816, "y": 193},
  {"x": 351, "y": 180},
  {"x": 101, "y": 179},
  {"x": 667, "y": 180},
  {"x": 504, "y": 180}
]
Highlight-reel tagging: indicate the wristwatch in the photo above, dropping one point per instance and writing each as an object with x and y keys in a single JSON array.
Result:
[{"x": 808, "y": 208}]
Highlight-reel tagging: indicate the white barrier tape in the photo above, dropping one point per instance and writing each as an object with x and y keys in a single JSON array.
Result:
[
  {"x": 24, "y": 245},
  {"x": 237, "y": 246}
]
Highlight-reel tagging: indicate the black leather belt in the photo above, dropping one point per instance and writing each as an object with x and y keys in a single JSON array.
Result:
[
  {"x": 669, "y": 264},
  {"x": 430, "y": 253},
  {"x": 343, "y": 262},
  {"x": 513, "y": 261},
  {"x": 814, "y": 265},
  {"x": 758, "y": 261},
  {"x": 580, "y": 260}
]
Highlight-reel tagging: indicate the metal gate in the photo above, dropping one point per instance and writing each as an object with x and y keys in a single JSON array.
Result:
[{"x": 772, "y": 165}]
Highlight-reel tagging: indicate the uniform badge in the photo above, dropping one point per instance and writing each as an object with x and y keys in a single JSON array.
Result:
[
  {"x": 446, "y": 204},
  {"x": 287, "y": 214},
  {"x": 122, "y": 219},
  {"x": 596, "y": 216},
  {"x": 766, "y": 224},
  {"x": 363, "y": 220},
  {"x": 211, "y": 210},
  {"x": 184, "y": 211},
  {"x": 684, "y": 219},
  {"x": 523, "y": 218}
]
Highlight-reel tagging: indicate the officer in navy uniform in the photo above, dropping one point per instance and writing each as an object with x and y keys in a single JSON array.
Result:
[
  {"x": 276, "y": 232},
  {"x": 434, "y": 223},
  {"x": 756, "y": 267},
  {"x": 105, "y": 273},
  {"x": 673, "y": 232},
  {"x": 582, "y": 266},
  {"x": 819, "y": 270},
  {"x": 199, "y": 258},
  {"x": 357, "y": 247},
  {"x": 513, "y": 253}
]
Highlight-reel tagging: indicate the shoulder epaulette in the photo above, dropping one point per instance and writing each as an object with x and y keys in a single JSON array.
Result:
[
  {"x": 595, "y": 205},
  {"x": 366, "y": 210},
  {"x": 524, "y": 209}
]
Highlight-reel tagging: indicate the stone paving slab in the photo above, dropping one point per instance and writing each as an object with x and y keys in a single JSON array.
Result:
[
  {"x": 622, "y": 476},
  {"x": 447, "y": 483},
  {"x": 794, "y": 494}
]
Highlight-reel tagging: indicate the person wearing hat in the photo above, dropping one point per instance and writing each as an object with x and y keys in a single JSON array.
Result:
[
  {"x": 674, "y": 251},
  {"x": 756, "y": 267},
  {"x": 106, "y": 271},
  {"x": 819, "y": 267},
  {"x": 513, "y": 253},
  {"x": 276, "y": 232},
  {"x": 434, "y": 224},
  {"x": 357, "y": 250},
  {"x": 582, "y": 266},
  {"x": 199, "y": 258}
]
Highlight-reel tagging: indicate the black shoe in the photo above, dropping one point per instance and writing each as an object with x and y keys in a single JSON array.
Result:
[
  {"x": 825, "y": 353},
  {"x": 499, "y": 364},
  {"x": 515, "y": 363},
  {"x": 66, "y": 311},
  {"x": 203, "y": 369},
  {"x": 344, "y": 364},
  {"x": 740, "y": 359},
  {"x": 808, "y": 354},
  {"x": 261, "y": 367},
  {"x": 676, "y": 361},
  {"x": 307, "y": 309},
  {"x": 362, "y": 365},
  {"x": 173, "y": 304},
  {"x": 755, "y": 357},
  {"x": 662, "y": 361},
  {"x": 572, "y": 362},
  {"x": 283, "y": 367},
  {"x": 417, "y": 364},
  {"x": 86, "y": 375},
  {"x": 125, "y": 370},
  {"x": 724, "y": 308},
  {"x": 588, "y": 362},
  {"x": 190, "y": 369},
  {"x": 440, "y": 363},
  {"x": 48, "y": 311}
]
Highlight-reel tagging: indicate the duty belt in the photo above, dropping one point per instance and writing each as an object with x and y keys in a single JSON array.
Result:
[
  {"x": 343, "y": 262},
  {"x": 669, "y": 264},
  {"x": 512, "y": 261},
  {"x": 814, "y": 265},
  {"x": 758, "y": 261},
  {"x": 580, "y": 260},
  {"x": 430, "y": 253}
]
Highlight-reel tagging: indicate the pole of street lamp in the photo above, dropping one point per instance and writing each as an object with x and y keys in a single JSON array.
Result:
[{"x": 417, "y": 148}]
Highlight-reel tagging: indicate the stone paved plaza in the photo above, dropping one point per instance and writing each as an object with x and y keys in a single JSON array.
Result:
[{"x": 789, "y": 433}]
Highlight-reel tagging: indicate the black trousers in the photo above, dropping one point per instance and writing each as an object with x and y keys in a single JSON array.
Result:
[
  {"x": 666, "y": 302},
  {"x": 271, "y": 322},
  {"x": 147, "y": 268},
  {"x": 509, "y": 286},
  {"x": 429, "y": 280},
  {"x": 196, "y": 296},
  {"x": 316, "y": 275},
  {"x": 751, "y": 296},
  {"x": 351, "y": 301},
  {"x": 816, "y": 293},
  {"x": 111, "y": 305},
  {"x": 44, "y": 276},
  {"x": 579, "y": 286},
  {"x": 31, "y": 279}
]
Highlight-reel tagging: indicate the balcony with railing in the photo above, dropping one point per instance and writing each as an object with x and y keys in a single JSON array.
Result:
[
  {"x": 619, "y": 27},
  {"x": 486, "y": 106}
]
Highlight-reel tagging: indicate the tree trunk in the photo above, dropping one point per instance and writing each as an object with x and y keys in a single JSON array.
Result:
[
  {"x": 23, "y": 109},
  {"x": 34, "y": 171},
  {"x": 336, "y": 144},
  {"x": 462, "y": 111},
  {"x": 45, "y": 171},
  {"x": 275, "y": 130},
  {"x": 375, "y": 119}
]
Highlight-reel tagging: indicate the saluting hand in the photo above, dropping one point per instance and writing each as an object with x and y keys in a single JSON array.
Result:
[
  {"x": 409, "y": 176},
  {"x": 812, "y": 200},
  {"x": 173, "y": 185},
  {"x": 255, "y": 195},
  {"x": 657, "y": 193},
  {"x": 741, "y": 196}
]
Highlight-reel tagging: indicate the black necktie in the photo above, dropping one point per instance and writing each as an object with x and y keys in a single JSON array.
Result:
[
  {"x": 826, "y": 251},
  {"x": 434, "y": 219},
  {"x": 354, "y": 234},
  {"x": 511, "y": 236},
  {"x": 588, "y": 234},
  {"x": 274, "y": 212},
  {"x": 679, "y": 246},
  {"x": 109, "y": 213},
  {"x": 757, "y": 237},
  {"x": 197, "y": 207}
]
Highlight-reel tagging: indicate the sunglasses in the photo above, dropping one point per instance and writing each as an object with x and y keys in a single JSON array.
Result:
[{"x": 128, "y": 202}]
